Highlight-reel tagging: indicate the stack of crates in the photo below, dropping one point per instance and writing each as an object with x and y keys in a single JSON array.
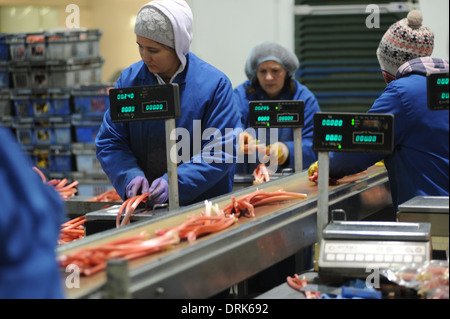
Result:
[
  {"x": 55, "y": 59},
  {"x": 55, "y": 100},
  {"x": 90, "y": 103},
  {"x": 5, "y": 102}
]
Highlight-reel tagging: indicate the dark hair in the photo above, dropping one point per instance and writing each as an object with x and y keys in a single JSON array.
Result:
[{"x": 289, "y": 85}]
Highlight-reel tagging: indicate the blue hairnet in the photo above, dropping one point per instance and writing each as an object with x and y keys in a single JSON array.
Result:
[{"x": 270, "y": 51}]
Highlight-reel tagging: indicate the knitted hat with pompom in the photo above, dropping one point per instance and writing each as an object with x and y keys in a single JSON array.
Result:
[{"x": 405, "y": 40}]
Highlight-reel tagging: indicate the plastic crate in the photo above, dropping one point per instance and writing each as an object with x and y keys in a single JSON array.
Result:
[
  {"x": 21, "y": 103},
  {"x": 61, "y": 161},
  {"x": 36, "y": 46},
  {"x": 17, "y": 46},
  {"x": 50, "y": 102},
  {"x": 25, "y": 133},
  {"x": 92, "y": 184},
  {"x": 73, "y": 44},
  {"x": 86, "y": 159},
  {"x": 4, "y": 75},
  {"x": 91, "y": 100},
  {"x": 4, "y": 54},
  {"x": 75, "y": 72},
  {"x": 28, "y": 74},
  {"x": 52, "y": 131},
  {"x": 85, "y": 130},
  {"x": 40, "y": 159},
  {"x": 5, "y": 104},
  {"x": 63, "y": 133}
]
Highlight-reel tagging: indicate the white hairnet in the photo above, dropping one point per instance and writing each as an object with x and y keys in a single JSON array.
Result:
[{"x": 270, "y": 51}]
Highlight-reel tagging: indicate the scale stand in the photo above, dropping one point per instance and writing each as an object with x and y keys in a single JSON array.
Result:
[
  {"x": 172, "y": 172},
  {"x": 146, "y": 103},
  {"x": 281, "y": 114}
]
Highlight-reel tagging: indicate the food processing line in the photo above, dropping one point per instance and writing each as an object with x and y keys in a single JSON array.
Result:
[
  {"x": 215, "y": 262},
  {"x": 218, "y": 261}
]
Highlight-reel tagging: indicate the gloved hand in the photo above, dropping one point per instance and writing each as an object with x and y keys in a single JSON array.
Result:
[
  {"x": 278, "y": 150},
  {"x": 247, "y": 144},
  {"x": 313, "y": 174},
  {"x": 313, "y": 171},
  {"x": 136, "y": 184},
  {"x": 159, "y": 192}
]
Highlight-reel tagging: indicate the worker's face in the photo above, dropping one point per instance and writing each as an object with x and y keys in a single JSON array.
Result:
[
  {"x": 159, "y": 58},
  {"x": 271, "y": 76}
]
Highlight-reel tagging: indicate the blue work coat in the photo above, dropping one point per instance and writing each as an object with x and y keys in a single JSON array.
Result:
[
  {"x": 419, "y": 164},
  {"x": 31, "y": 215},
  {"x": 127, "y": 150},
  {"x": 285, "y": 135}
]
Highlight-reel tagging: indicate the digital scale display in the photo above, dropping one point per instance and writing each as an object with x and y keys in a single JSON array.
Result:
[
  {"x": 438, "y": 91},
  {"x": 350, "y": 132},
  {"x": 151, "y": 102},
  {"x": 276, "y": 114}
]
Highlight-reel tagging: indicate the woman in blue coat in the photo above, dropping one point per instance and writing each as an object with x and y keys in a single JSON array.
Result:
[
  {"x": 270, "y": 69},
  {"x": 133, "y": 155},
  {"x": 419, "y": 164},
  {"x": 30, "y": 220}
]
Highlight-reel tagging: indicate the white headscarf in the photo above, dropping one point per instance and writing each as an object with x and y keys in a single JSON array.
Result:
[{"x": 180, "y": 15}]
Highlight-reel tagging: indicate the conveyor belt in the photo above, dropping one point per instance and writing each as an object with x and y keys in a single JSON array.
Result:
[{"x": 218, "y": 261}]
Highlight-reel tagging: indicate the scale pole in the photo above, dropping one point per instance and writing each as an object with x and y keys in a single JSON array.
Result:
[
  {"x": 172, "y": 172},
  {"x": 298, "y": 151},
  {"x": 322, "y": 204}
]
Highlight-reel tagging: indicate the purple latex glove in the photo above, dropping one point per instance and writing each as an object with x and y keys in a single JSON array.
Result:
[
  {"x": 159, "y": 192},
  {"x": 136, "y": 184}
]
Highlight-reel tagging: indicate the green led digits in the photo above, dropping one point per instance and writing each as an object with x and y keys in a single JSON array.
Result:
[
  {"x": 127, "y": 109},
  {"x": 442, "y": 81},
  {"x": 154, "y": 107},
  {"x": 264, "y": 118},
  {"x": 365, "y": 138},
  {"x": 332, "y": 122},
  {"x": 125, "y": 96},
  {"x": 285, "y": 118},
  {"x": 333, "y": 138},
  {"x": 445, "y": 96},
  {"x": 262, "y": 108}
]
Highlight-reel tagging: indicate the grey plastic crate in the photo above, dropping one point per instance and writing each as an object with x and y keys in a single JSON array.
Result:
[
  {"x": 73, "y": 44},
  {"x": 76, "y": 72}
]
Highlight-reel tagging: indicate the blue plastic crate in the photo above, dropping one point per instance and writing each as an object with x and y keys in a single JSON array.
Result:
[
  {"x": 50, "y": 102},
  {"x": 41, "y": 105},
  {"x": 4, "y": 54},
  {"x": 61, "y": 161},
  {"x": 86, "y": 130},
  {"x": 4, "y": 75},
  {"x": 52, "y": 131},
  {"x": 25, "y": 134},
  {"x": 91, "y": 100},
  {"x": 62, "y": 133},
  {"x": 61, "y": 104},
  {"x": 42, "y": 159},
  {"x": 5, "y": 104},
  {"x": 22, "y": 104},
  {"x": 43, "y": 134}
]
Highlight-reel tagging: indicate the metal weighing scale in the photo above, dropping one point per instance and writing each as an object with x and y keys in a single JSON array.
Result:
[
  {"x": 431, "y": 209},
  {"x": 147, "y": 103},
  {"x": 280, "y": 114},
  {"x": 347, "y": 248}
]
